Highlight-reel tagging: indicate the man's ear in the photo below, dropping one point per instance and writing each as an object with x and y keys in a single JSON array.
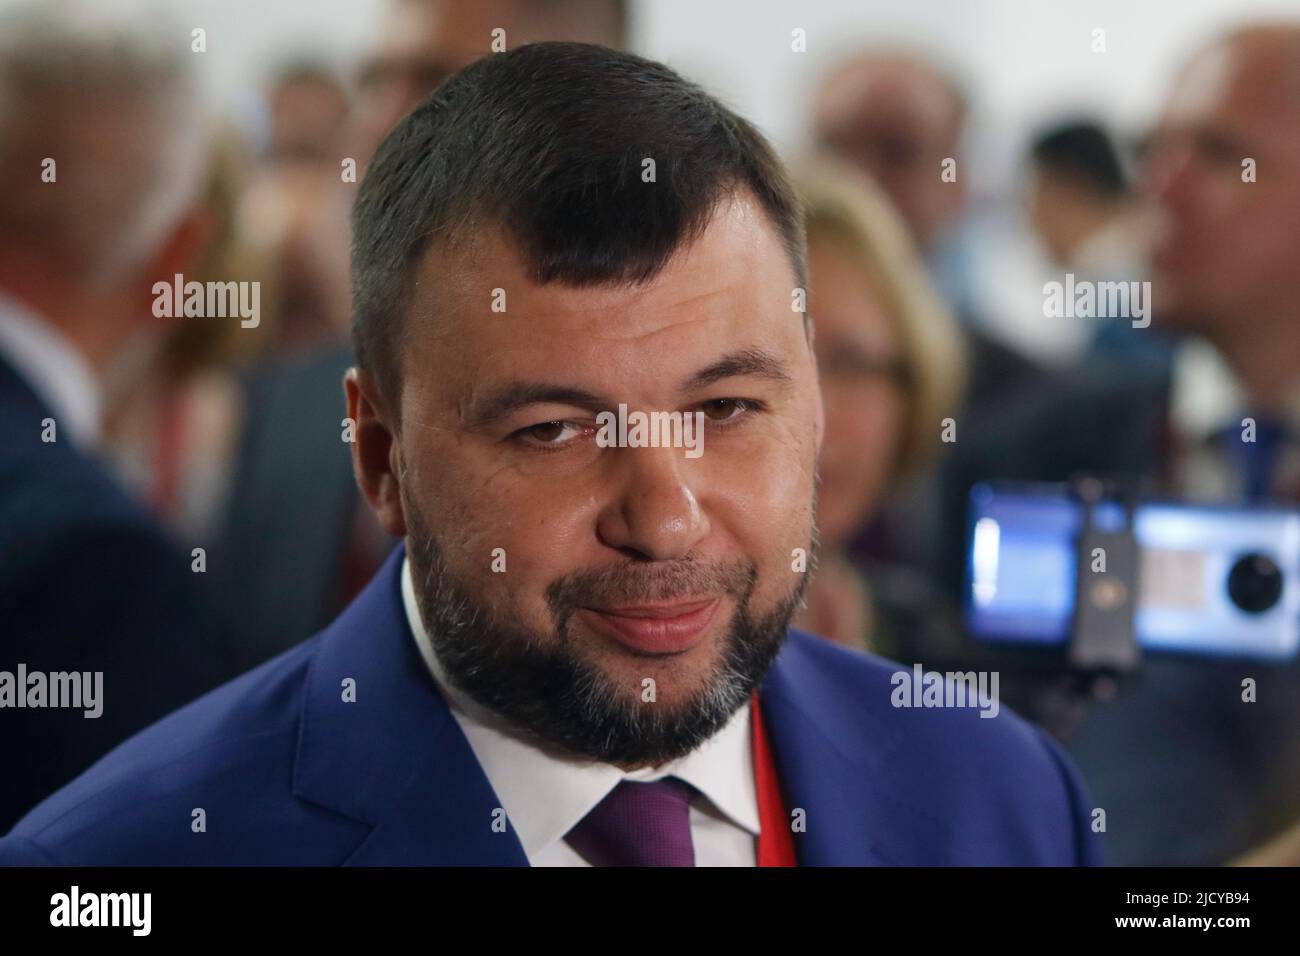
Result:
[{"x": 376, "y": 451}]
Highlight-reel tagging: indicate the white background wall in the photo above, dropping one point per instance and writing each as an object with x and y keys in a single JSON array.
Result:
[{"x": 1022, "y": 58}]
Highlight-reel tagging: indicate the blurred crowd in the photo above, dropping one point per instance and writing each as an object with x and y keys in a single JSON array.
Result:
[{"x": 225, "y": 442}]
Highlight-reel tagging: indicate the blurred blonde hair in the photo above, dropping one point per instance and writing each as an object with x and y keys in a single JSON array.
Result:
[
  {"x": 848, "y": 210},
  {"x": 199, "y": 345}
]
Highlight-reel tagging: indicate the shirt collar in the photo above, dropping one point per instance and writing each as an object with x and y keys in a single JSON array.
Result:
[
  {"x": 1207, "y": 397},
  {"x": 722, "y": 768},
  {"x": 53, "y": 369}
]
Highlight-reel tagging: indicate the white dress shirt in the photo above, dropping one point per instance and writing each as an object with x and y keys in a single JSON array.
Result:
[
  {"x": 1206, "y": 397},
  {"x": 545, "y": 794},
  {"x": 53, "y": 369}
]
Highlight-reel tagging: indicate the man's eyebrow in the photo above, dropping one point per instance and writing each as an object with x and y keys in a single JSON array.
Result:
[
  {"x": 744, "y": 362},
  {"x": 501, "y": 402},
  {"x": 504, "y": 401}
]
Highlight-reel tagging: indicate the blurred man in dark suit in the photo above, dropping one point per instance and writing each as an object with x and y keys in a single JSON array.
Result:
[
  {"x": 101, "y": 160},
  {"x": 297, "y": 544},
  {"x": 1190, "y": 773}
]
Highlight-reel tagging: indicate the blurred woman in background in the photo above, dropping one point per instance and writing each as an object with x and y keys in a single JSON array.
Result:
[{"x": 891, "y": 364}]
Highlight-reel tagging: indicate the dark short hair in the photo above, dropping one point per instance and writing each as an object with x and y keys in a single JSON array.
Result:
[
  {"x": 1081, "y": 151},
  {"x": 547, "y": 141}
]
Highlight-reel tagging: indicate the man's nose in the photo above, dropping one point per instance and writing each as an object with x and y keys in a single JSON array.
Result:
[
  {"x": 654, "y": 513},
  {"x": 1168, "y": 177}
]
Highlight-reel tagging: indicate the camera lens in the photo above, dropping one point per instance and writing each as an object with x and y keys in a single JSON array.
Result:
[{"x": 1255, "y": 583}]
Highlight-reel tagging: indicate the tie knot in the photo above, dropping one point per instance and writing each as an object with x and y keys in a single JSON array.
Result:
[{"x": 639, "y": 824}]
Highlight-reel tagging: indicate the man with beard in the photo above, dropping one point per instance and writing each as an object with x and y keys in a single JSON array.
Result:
[{"x": 581, "y": 654}]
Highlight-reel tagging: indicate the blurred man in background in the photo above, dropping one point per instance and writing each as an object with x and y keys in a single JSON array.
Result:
[
  {"x": 308, "y": 108},
  {"x": 297, "y": 545},
  {"x": 1188, "y": 772},
  {"x": 1077, "y": 200},
  {"x": 899, "y": 118},
  {"x": 101, "y": 156},
  {"x": 422, "y": 42},
  {"x": 1078, "y": 203}
]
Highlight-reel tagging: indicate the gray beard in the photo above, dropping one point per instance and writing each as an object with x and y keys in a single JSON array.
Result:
[{"x": 539, "y": 682}]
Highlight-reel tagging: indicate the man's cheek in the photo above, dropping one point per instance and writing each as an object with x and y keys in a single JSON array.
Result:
[
  {"x": 767, "y": 505},
  {"x": 770, "y": 501},
  {"x": 502, "y": 573},
  {"x": 782, "y": 474},
  {"x": 525, "y": 545},
  {"x": 790, "y": 491}
]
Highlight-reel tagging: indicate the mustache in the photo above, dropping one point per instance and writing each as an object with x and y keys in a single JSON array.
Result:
[{"x": 632, "y": 583}]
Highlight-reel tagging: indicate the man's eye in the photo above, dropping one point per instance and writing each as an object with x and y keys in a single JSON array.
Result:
[
  {"x": 549, "y": 433},
  {"x": 724, "y": 409}
]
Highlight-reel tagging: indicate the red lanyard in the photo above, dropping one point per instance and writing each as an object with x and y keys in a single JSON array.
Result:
[{"x": 775, "y": 838}]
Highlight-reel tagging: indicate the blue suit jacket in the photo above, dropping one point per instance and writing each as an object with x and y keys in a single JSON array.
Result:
[{"x": 288, "y": 773}]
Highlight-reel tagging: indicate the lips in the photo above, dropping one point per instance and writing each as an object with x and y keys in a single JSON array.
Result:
[{"x": 661, "y": 628}]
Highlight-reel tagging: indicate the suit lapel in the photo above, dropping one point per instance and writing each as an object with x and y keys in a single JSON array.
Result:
[
  {"x": 839, "y": 762},
  {"x": 395, "y": 757}
]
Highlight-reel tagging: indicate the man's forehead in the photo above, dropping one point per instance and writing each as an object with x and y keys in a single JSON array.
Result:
[
  {"x": 452, "y": 33},
  {"x": 730, "y": 291},
  {"x": 457, "y": 32},
  {"x": 738, "y": 266},
  {"x": 895, "y": 91},
  {"x": 1250, "y": 80}
]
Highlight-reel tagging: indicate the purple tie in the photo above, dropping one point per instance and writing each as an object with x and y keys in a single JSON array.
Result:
[{"x": 638, "y": 824}]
